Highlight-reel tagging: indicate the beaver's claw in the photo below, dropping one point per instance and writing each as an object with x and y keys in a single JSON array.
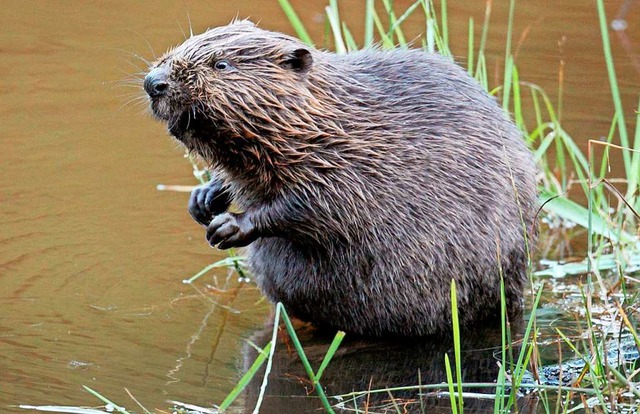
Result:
[
  {"x": 230, "y": 230},
  {"x": 208, "y": 201}
]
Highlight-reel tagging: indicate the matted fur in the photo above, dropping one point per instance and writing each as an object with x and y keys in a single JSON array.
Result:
[{"x": 374, "y": 177}]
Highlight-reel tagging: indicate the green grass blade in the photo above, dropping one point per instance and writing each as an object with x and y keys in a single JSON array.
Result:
[
  {"x": 348, "y": 37},
  {"x": 394, "y": 403},
  {"x": 387, "y": 42},
  {"x": 633, "y": 175},
  {"x": 444, "y": 23},
  {"x": 579, "y": 160},
  {"x": 246, "y": 378},
  {"x": 591, "y": 216},
  {"x": 538, "y": 113},
  {"x": 507, "y": 49},
  {"x": 334, "y": 22},
  {"x": 517, "y": 101},
  {"x": 456, "y": 343},
  {"x": 388, "y": 5},
  {"x": 498, "y": 404},
  {"x": 545, "y": 142},
  {"x": 295, "y": 21},
  {"x": 231, "y": 261},
  {"x": 506, "y": 86},
  {"x": 430, "y": 26},
  {"x": 452, "y": 392},
  {"x": 518, "y": 371},
  {"x": 296, "y": 342},
  {"x": 604, "y": 161},
  {"x": 303, "y": 357},
  {"x": 624, "y": 380},
  {"x": 395, "y": 27},
  {"x": 574, "y": 212},
  {"x": 613, "y": 82},
  {"x": 368, "y": 23},
  {"x": 434, "y": 37},
  {"x": 330, "y": 352},
  {"x": 470, "y": 48},
  {"x": 500, "y": 384},
  {"x": 481, "y": 72},
  {"x": 106, "y": 401},
  {"x": 483, "y": 40},
  {"x": 267, "y": 370}
]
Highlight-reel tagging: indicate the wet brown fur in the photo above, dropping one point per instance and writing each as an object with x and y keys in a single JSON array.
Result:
[{"x": 374, "y": 177}]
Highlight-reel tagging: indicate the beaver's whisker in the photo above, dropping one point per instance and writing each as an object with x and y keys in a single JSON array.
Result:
[
  {"x": 136, "y": 100},
  {"x": 132, "y": 94},
  {"x": 184, "y": 35},
  {"x": 135, "y": 85},
  {"x": 138, "y": 70},
  {"x": 190, "y": 25},
  {"x": 153, "y": 53},
  {"x": 132, "y": 77},
  {"x": 188, "y": 119},
  {"x": 136, "y": 76},
  {"x": 174, "y": 122},
  {"x": 134, "y": 103},
  {"x": 202, "y": 107},
  {"x": 135, "y": 55}
]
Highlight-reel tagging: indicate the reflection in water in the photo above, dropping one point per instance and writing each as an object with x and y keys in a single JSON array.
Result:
[
  {"x": 619, "y": 22},
  {"x": 365, "y": 364},
  {"x": 189, "y": 349}
]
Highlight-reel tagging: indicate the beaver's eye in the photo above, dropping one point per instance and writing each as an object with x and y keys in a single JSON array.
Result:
[{"x": 222, "y": 65}]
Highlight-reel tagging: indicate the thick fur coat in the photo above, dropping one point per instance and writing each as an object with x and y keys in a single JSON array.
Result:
[{"x": 367, "y": 181}]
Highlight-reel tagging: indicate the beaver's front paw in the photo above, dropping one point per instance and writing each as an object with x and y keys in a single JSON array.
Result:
[
  {"x": 208, "y": 201},
  {"x": 231, "y": 230}
]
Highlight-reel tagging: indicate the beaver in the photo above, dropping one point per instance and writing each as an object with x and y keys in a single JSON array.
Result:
[{"x": 362, "y": 183}]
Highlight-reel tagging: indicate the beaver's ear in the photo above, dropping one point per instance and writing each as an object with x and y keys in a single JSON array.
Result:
[{"x": 300, "y": 60}]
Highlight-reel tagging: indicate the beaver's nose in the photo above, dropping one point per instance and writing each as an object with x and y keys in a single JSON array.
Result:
[{"x": 156, "y": 82}]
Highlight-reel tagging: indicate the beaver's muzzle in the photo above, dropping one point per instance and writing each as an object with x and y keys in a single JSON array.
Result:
[{"x": 156, "y": 83}]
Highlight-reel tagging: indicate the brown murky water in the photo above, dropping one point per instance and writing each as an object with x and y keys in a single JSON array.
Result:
[{"x": 92, "y": 256}]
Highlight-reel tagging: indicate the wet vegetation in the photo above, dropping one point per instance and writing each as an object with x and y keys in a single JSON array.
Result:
[{"x": 607, "y": 207}]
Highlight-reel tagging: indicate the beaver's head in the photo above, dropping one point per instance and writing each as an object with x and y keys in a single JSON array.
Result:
[{"x": 231, "y": 82}]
